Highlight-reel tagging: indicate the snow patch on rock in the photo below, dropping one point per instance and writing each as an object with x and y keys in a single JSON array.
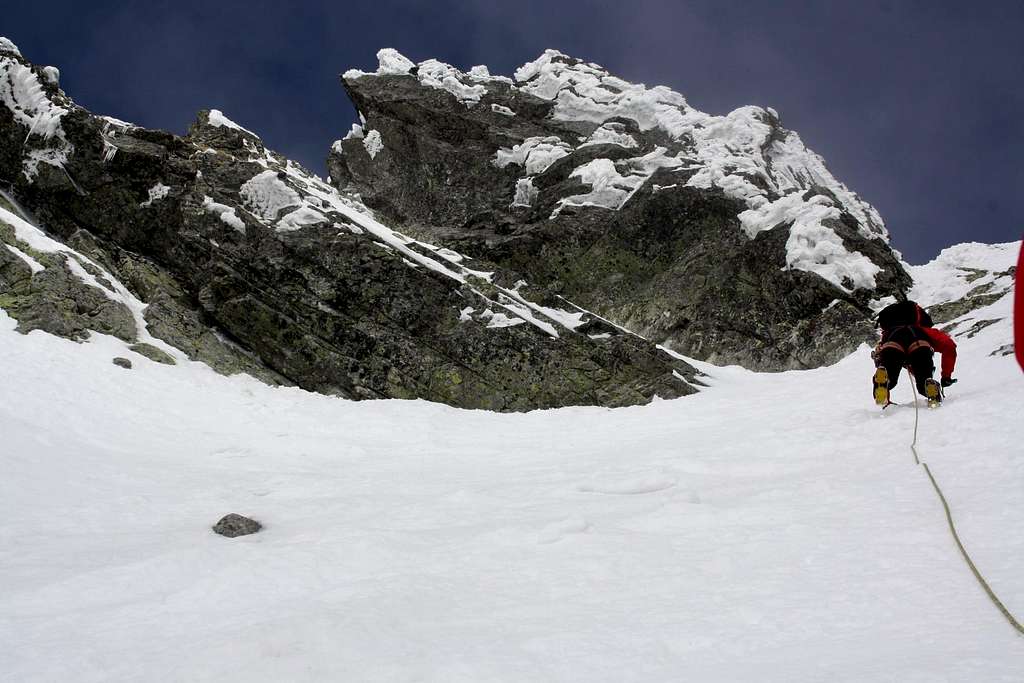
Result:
[
  {"x": 156, "y": 193},
  {"x": 535, "y": 154},
  {"x": 812, "y": 246},
  {"x": 612, "y": 184},
  {"x": 265, "y": 195},
  {"x": 7, "y": 46},
  {"x": 446, "y": 77},
  {"x": 959, "y": 269},
  {"x": 225, "y": 213},
  {"x": 34, "y": 266},
  {"x": 468, "y": 87},
  {"x": 300, "y": 218},
  {"x": 219, "y": 120}
]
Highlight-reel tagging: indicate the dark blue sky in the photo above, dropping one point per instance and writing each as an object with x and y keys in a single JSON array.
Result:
[{"x": 918, "y": 106}]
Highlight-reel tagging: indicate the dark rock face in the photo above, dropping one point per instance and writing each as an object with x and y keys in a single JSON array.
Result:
[
  {"x": 250, "y": 263},
  {"x": 153, "y": 353},
  {"x": 722, "y": 237},
  {"x": 232, "y": 525}
]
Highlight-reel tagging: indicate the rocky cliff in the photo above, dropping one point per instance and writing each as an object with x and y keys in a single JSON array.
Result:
[
  {"x": 722, "y": 237},
  {"x": 212, "y": 247}
]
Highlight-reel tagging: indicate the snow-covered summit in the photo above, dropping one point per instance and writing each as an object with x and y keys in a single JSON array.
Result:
[
  {"x": 746, "y": 154},
  {"x": 564, "y": 156}
]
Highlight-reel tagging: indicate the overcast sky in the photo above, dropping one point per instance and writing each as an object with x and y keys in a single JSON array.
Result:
[{"x": 917, "y": 106}]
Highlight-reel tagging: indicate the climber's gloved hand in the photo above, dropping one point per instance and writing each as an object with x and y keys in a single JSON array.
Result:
[{"x": 947, "y": 381}]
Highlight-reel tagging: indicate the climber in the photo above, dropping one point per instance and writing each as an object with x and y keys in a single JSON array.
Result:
[
  {"x": 905, "y": 343},
  {"x": 944, "y": 345},
  {"x": 1018, "y": 311}
]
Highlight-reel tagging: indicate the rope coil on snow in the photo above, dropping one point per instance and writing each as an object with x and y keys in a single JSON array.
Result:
[{"x": 952, "y": 527}]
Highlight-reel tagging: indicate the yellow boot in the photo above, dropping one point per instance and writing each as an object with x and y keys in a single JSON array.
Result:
[{"x": 881, "y": 386}]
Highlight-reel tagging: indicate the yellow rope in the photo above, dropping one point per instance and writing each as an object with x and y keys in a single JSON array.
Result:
[{"x": 952, "y": 527}]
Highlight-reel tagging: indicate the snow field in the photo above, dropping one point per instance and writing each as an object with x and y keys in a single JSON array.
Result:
[{"x": 772, "y": 527}]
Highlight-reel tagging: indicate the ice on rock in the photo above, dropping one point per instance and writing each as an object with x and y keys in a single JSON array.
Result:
[
  {"x": 586, "y": 92},
  {"x": 498, "y": 109},
  {"x": 525, "y": 192},
  {"x": 51, "y": 74},
  {"x": 446, "y": 77},
  {"x": 354, "y": 133},
  {"x": 391, "y": 61},
  {"x": 793, "y": 165},
  {"x": 434, "y": 74},
  {"x": 611, "y": 133},
  {"x": 265, "y": 195},
  {"x": 7, "y": 46},
  {"x": 812, "y": 246},
  {"x": 535, "y": 154},
  {"x": 609, "y": 188},
  {"x": 373, "y": 143},
  {"x": 26, "y": 98},
  {"x": 156, "y": 193}
]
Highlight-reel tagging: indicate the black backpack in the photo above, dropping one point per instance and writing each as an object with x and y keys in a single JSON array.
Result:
[{"x": 903, "y": 313}]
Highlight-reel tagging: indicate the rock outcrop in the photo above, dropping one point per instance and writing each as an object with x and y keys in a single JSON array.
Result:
[
  {"x": 214, "y": 248},
  {"x": 722, "y": 237}
]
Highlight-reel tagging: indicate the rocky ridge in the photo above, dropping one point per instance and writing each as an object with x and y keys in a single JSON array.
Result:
[
  {"x": 211, "y": 247},
  {"x": 722, "y": 237}
]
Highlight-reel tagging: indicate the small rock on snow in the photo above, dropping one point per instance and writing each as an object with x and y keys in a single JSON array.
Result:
[{"x": 232, "y": 525}]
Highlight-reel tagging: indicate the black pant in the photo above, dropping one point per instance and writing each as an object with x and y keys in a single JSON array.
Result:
[{"x": 921, "y": 360}]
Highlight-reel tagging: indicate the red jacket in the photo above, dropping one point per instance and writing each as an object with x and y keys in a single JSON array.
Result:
[
  {"x": 945, "y": 345},
  {"x": 1018, "y": 311}
]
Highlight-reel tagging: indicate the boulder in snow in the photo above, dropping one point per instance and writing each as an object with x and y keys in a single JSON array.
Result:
[{"x": 232, "y": 525}]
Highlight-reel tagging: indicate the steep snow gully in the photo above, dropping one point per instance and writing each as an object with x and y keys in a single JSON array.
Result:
[{"x": 772, "y": 527}]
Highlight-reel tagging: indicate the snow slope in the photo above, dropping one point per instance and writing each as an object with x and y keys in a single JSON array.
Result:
[{"x": 773, "y": 527}]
